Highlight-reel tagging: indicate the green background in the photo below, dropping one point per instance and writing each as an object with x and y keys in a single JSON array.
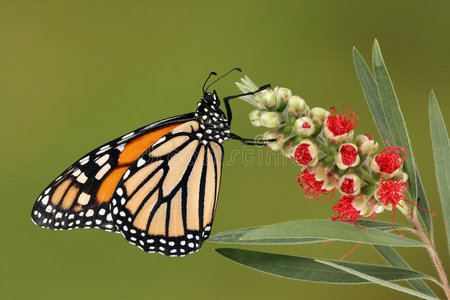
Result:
[{"x": 75, "y": 74}]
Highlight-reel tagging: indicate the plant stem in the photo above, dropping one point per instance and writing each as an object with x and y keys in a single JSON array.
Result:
[{"x": 431, "y": 251}]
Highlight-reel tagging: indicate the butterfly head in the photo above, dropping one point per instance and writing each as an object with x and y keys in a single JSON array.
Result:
[{"x": 211, "y": 118}]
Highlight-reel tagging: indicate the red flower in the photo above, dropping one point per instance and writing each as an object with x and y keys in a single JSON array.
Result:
[
  {"x": 390, "y": 192},
  {"x": 388, "y": 161},
  {"x": 312, "y": 181},
  {"x": 306, "y": 153},
  {"x": 349, "y": 184},
  {"x": 337, "y": 127},
  {"x": 347, "y": 156},
  {"x": 345, "y": 211}
]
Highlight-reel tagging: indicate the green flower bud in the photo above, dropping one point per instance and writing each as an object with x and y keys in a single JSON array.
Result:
[
  {"x": 270, "y": 119},
  {"x": 269, "y": 99},
  {"x": 319, "y": 114},
  {"x": 296, "y": 105},
  {"x": 307, "y": 111},
  {"x": 254, "y": 117},
  {"x": 284, "y": 94},
  {"x": 366, "y": 144},
  {"x": 304, "y": 126},
  {"x": 288, "y": 149},
  {"x": 278, "y": 137}
]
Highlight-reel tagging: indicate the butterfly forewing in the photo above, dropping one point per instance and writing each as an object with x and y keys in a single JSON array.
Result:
[
  {"x": 166, "y": 200},
  {"x": 80, "y": 196}
]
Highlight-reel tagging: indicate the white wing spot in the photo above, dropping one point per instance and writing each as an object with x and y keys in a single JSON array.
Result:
[
  {"x": 102, "y": 211},
  {"x": 126, "y": 136},
  {"x": 83, "y": 199},
  {"x": 101, "y": 161},
  {"x": 102, "y": 171},
  {"x": 82, "y": 178},
  {"x": 48, "y": 209},
  {"x": 47, "y": 190},
  {"x": 90, "y": 213},
  {"x": 45, "y": 200},
  {"x": 119, "y": 191},
  {"x": 84, "y": 160},
  {"x": 109, "y": 217},
  {"x": 140, "y": 162},
  {"x": 76, "y": 172},
  {"x": 127, "y": 173}
]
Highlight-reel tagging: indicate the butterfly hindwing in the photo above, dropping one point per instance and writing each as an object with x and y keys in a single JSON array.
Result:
[
  {"x": 166, "y": 200},
  {"x": 80, "y": 197}
]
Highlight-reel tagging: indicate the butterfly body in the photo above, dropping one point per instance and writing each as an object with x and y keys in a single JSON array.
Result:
[{"x": 158, "y": 185}]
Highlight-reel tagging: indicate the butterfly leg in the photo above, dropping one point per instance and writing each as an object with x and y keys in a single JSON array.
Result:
[
  {"x": 227, "y": 99},
  {"x": 251, "y": 142}
]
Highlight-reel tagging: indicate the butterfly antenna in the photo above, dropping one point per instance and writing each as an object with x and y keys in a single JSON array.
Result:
[
  {"x": 206, "y": 81},
  {"x": 234, "y": 69}
]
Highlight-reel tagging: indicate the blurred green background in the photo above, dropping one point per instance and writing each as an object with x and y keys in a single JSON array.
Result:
[{"x": 76, "y": 74}]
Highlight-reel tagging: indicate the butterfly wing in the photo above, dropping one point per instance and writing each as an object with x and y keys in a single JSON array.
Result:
[
  {"x": 81, "y": 195},
  {"x": 166, "y": 200}
]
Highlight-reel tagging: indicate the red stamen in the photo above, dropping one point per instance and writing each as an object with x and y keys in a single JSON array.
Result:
[
  {"x": 348, "y": 154},
  {"x": 302, "y": 154},
  {"x": 340, "y": 125},
  {"x": 326, "y": 243},
  {"x": 354, "y": 248},
  {"x": 313, "y": 188},
  {"x": 428, "y": 211},
  {"x": 348, "y": 186},
  {"x": 393, "y": 220},
  {"x": 390, "y": 159},
  {"x": 345, "y": 211}
]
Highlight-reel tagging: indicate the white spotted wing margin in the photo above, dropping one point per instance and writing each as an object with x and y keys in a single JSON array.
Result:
[
  {"x": 165, "y": 202},
  {"x": 72, "y": 200}
]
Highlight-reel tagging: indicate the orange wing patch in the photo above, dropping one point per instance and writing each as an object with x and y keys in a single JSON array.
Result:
[
  {"x": 132, "y": 151},
  {"x": 136, "y": 147}
]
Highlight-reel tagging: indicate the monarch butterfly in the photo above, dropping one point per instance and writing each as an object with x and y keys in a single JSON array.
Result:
[{"x": 157, "y": 185}]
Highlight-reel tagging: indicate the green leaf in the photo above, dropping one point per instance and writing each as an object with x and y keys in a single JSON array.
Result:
[
  {"x": 423, "y": 202},
  {"x": 326, "y": 229},
  {"x": 441, "y": 153},
  {"x": 307, "y": 269},
  {"x": 394, "y": 116},
  {"x": 394, "y": 259},
  {"x": 234, "y": 237},
  {"x": 376, "y": 280},
  {"x": 370, "y": 89}
]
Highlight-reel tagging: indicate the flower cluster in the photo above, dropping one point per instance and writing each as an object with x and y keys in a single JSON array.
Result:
[{"x": 323, "y": 144}]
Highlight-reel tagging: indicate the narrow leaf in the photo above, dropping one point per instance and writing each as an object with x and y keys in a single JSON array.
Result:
[
  {"x": 377, "y": 280},
  {"x": 370, "y": 89},
  {"x": 394, "y": 116},
  {"x": 307, "y": 269},
  {"x": 326, "y": 229},
  {"x": 441, "y": 153},
  {"x": 394, "y": 259},
  {"x": 234, "y": 237},
  {"x": 422, "y": 201}
]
